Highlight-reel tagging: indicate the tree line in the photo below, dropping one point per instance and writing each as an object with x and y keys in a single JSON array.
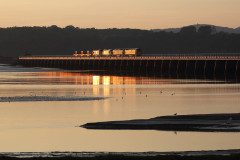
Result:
[{"x": 53, "y": 40}]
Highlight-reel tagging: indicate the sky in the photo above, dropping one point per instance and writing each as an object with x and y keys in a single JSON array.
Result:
[{"x": 144, "y": 14}]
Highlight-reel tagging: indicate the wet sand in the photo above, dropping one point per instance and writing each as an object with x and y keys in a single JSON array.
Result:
[
  {"x": 47, "y": 98},
  {"x": 192, "y": 155},
  {"x": 201, "y": 123}
]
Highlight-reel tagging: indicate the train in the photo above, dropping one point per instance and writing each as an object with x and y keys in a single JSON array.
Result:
[{"x": 130, "y": 52}]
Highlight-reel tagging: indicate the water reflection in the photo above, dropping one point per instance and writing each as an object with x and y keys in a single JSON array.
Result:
[{"x": 95, "y": 79}]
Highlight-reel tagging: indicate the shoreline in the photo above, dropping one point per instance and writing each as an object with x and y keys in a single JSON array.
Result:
[
  {"x": 199, "y": 123},
  {"x": 186, "y": 155},
  {"x": 8, "y": 60}
]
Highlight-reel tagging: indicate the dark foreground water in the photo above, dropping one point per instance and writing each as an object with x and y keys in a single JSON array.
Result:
[{"x": 52, "y": 126}]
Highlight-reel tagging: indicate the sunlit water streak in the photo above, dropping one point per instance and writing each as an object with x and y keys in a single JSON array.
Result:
[{"x": 52, "y": 126}]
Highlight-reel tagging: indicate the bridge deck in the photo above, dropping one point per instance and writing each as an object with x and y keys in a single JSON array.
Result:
[{"x": 131, "y": 58}]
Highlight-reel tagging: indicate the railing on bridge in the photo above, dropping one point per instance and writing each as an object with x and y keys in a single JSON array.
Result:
[{"x": 159, "y": 57}]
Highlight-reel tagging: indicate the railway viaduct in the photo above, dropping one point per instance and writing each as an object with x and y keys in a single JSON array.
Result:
[{"x": 182, "y": 65}]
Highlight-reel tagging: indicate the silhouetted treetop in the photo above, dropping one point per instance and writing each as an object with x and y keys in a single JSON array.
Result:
[
  {"x": 189, "y": 30},
  {"x": 206, "y": 30}
]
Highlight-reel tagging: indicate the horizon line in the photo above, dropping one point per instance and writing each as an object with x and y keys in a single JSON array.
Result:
[{"x": 60, "y": 26}]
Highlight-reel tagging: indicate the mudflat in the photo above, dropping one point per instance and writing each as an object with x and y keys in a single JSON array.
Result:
[
  {"x": 47, "y": 98},
  {"x": 201, "y": 123},
  {"x": 192, "y": 155}
]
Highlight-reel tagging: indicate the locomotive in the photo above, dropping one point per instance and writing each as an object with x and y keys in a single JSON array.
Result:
[{"x": 131, "y": 52}]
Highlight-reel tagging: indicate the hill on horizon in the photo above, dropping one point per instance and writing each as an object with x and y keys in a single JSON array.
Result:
[{"x": 217, "y": 29}]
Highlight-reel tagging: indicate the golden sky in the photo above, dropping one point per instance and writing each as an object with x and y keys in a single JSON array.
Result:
[{"x": 147, "y": 14}]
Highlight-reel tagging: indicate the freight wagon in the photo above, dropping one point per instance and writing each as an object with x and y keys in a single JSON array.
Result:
[
  {"x": 132, "y": 52},
  {"x": 97, "y": 52},
  {"x": 107, "y": 52},
  {"x": 118, "y": 52}
]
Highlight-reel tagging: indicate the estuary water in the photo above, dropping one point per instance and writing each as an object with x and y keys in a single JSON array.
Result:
[{"x": 40, "y": 126}]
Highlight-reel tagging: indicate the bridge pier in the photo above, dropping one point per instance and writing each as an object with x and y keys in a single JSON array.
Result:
[
  {"x": 231, "y": 68},
  {"x": 173, "y": 67},
  {"x": 165, "y": 68},
  {"x": 182, "y": 68},
  {"x": 190, "y": 68},
  {"x": 237, "y": 69},
  {"x": 209, "y": 68}
]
